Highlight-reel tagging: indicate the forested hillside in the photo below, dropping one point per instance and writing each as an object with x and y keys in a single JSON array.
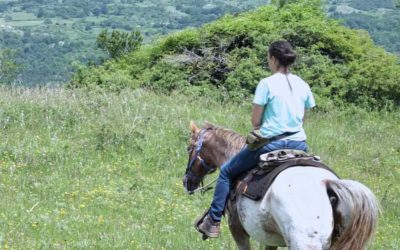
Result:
[
  {"x": 51, "y": 36},
  {"x": 381, "y": 18}
]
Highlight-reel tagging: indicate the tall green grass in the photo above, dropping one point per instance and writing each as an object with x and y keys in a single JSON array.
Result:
[{"x": 96, "y": 170}]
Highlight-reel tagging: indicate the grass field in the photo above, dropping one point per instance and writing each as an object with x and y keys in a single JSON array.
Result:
[
  {"x": 94, "y": 170},
  {"x": 24, "y": 23},
  {"x": 22, "y": 16}
]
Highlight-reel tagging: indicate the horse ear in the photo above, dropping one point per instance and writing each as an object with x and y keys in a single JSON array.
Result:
[
  {"x": 194, "y": 128},
  {"x": 208, "y": 124}
]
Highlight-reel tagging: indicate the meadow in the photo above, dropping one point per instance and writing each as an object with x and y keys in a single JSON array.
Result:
[{"x": 98, "y": 170}]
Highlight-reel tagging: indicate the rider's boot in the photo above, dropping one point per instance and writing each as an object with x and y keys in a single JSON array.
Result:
[{"x": 209, "y": 227}]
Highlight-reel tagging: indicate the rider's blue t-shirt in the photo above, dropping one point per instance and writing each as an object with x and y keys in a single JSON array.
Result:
[{"x": 284, "y": 104}]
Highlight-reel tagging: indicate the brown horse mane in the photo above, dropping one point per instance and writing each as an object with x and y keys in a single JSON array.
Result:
[{"x": 232, "y": 140}]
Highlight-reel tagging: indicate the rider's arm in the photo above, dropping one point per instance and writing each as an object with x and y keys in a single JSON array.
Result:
[{"x": 256, "y": 116}]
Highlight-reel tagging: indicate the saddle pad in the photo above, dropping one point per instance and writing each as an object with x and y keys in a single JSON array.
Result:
[{"x": 256, "y": 183}]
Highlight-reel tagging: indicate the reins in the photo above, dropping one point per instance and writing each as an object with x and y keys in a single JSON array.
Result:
[{"x": 204, "y": 188}]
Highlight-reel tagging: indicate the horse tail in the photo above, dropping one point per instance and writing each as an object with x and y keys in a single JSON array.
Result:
[{"x": 355, "y": 211}]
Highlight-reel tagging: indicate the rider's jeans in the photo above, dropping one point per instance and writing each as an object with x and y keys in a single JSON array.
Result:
[{"x": 245, "y": 160}]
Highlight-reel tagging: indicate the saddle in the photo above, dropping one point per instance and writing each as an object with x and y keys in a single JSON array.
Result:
[{"x": 255, "y": 183}]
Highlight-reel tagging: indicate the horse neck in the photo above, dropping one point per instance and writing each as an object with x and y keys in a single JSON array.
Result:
[{"x": 223, "y": 146}]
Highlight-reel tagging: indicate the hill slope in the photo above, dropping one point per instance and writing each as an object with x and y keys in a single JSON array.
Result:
[
  {"x": 89, "y": 170},
  {"x": 50, "y": 35}
]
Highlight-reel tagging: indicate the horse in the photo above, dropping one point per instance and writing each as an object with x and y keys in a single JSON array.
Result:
[{"x": 304, "y": 208}]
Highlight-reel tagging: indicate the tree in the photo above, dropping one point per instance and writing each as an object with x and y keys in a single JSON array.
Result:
[
  {"x": 47, "y": 21},
  {"x": 280, "y": 3},
  {"x": 8, "y": 18},
  {"x": 40, "y": 13},
  {"x": 8, "y": 67},
  {"x": 118, "y": 42},
  {"x": 104, "y": 9},
  {"x": 96, "y": 12}
]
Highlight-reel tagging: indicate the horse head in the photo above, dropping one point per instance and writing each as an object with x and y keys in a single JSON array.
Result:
[
  {"x": 200, "y": 162},
  {"x": 208, "y": 149}
]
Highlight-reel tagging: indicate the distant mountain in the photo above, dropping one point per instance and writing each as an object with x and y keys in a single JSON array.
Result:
[
  {"x": 381, "y": 18},
  {"x": 51, "y": 35}
]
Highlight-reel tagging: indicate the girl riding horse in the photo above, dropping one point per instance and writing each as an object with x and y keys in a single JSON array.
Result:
[{"x": 278, "y": 114}]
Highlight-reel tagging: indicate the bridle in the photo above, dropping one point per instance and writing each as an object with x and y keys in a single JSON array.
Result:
[{"x": 209, "y": 169}]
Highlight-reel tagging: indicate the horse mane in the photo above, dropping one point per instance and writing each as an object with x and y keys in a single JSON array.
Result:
[{"x": 232, "y": 140}]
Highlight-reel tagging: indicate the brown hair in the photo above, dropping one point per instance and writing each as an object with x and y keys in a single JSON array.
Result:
[{"x": 283, "y": 52}]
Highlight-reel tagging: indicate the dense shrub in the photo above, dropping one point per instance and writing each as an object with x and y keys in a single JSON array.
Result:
[{"x": 229, "y": 56}]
